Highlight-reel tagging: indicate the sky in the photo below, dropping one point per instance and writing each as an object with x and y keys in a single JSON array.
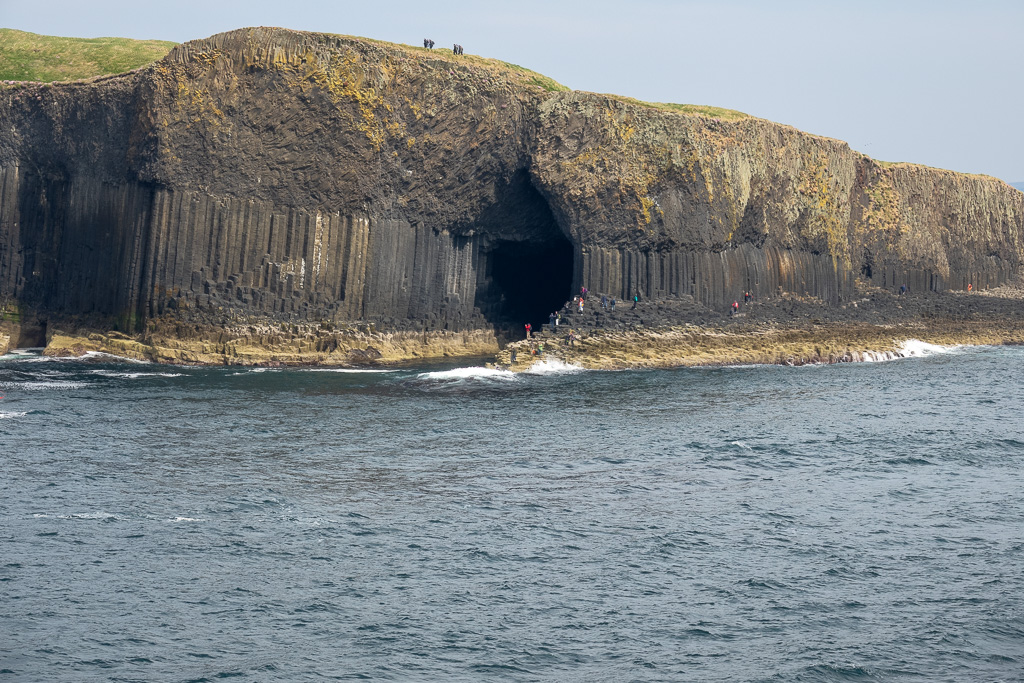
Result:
[{"x": 929, "y": 81}]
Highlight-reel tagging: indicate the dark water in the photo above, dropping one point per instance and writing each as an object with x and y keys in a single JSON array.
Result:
[{"x": 859, "y": 522}]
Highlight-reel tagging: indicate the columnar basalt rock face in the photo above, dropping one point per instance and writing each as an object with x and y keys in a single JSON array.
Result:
[
  {"x": 273, "y": 175},
  {"x": 666, "y": 204}
]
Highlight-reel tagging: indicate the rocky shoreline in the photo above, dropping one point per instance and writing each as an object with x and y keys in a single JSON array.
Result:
[{"x": 785, "y": 330}]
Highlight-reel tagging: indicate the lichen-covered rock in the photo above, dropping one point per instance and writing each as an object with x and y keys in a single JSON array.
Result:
[{"x": 274, "y": 178}]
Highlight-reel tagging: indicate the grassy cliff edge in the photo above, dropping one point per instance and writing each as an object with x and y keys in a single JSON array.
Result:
[{"x": 32, "y": 57}]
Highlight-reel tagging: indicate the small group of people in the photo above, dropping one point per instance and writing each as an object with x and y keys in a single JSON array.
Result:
[
  {"x": 606, "y": 303},
  {"x": 734, "y": 307},
  {"x": 429, "y": 44}
]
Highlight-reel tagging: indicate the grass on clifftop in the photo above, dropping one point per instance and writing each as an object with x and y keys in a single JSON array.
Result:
[
  {"x": 702, "y": 110},
  {"x": 32, "y": 57},
  {"x": 534, "y": 78},
  {"x": 524, "y": 75},
  {"x": 911, "y": 164}
]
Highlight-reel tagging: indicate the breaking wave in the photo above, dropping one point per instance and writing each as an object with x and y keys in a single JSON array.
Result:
[
  {"x": 349, "y": 370},
  {"x": 554, "y": 367},
  {"x": 910, "y": 348},
  {"x": 135, "y": 375},
  {"x": 103, "y": 355},
  {"x": 470, "y": 373}
]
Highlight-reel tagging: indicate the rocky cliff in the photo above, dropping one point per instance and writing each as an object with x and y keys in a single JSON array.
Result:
[{"x": 265, "y": 176}]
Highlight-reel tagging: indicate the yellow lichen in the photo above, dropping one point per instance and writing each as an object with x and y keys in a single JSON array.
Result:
[{"x": 823, "y": 208}]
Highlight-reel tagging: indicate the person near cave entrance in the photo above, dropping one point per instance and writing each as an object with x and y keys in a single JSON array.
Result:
[
  {"x": 529, "y": 330},
  {"x": 551, "y": 319}
]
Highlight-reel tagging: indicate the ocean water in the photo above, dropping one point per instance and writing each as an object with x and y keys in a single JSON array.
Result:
[{"x": 855, "y": 522}]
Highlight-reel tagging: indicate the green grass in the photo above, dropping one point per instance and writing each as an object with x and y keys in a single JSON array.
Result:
[
  {"x": 893, "y": 164},
  {"x": 698, "y": 109},
  {"x": 31, "y": 57},
  {"x": 534, "y": 78},
  {"x": 522, "y": 74}
]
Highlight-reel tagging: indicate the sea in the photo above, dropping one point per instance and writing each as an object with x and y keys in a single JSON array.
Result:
[{"x": 450, "y": 522}]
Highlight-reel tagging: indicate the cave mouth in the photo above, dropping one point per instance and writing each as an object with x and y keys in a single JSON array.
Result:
[
  {"x": 527, "y": 259},
  {"x": 529, "y": 281}
]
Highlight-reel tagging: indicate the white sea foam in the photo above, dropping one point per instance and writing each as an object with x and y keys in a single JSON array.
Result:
[
  {"x": 554, "y": 367},
  {"x": 918, "y": 348},
  {"x": 187, "y": 519},
  {"x": 103, "y": 354},
  {"x": 31, "y": 355},
  {"x": 469, "y": 373},
  {"x": 76, "y": 515},
  {"x": 135, "y": 375},
  {"x": 348, "y": 370},
  {"x": 57, "y": 384},
  {"x": 910, "y": 348},
  {"x": 250, "y": 371},
  {"x": 7, "y": 416}
]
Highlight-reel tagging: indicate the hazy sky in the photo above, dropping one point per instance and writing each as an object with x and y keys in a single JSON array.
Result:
[{"x": 929, "y": 81}]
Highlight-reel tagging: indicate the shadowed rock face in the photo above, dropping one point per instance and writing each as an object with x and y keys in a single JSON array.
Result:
[{"x": 291, "y": 176}]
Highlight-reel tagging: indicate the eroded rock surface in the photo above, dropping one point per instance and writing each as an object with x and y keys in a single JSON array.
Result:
[{"x": 273, "y": 178}]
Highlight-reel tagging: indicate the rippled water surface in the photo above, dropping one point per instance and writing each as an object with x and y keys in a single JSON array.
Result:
[{"x": 850, "y": 522}]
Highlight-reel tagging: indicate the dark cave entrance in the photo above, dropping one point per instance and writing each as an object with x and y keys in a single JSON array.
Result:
[
  {"x": 528, "y": 261},
  {"x": 532, "y": 280}
]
